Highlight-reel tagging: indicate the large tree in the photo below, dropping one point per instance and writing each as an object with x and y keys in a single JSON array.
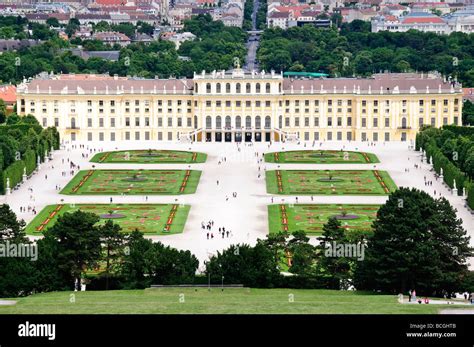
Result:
[
  {"x": 17, "y": 272},
  {"x": 78, "y": 243},
  {"x": 334, "y": 269},
  {"x": 418, "y": 243}
]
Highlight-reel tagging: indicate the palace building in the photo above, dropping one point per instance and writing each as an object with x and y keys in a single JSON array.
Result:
[{"x": 233, "y": 106}]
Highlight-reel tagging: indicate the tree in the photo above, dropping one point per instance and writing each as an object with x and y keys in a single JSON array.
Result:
[
  {"x": 53, "y": 22},
  {"x": 113, "y": 244},
  {"x": 242, "y": 264},
  {"x": 17, "y": 272},
  {"x": 332, "y": 267},
  {"x": 418, "y": 242},
  {"x": 78, "y": 243},
  {"x": 303, "y": 254},
  {"x": 468, "y": 113}
]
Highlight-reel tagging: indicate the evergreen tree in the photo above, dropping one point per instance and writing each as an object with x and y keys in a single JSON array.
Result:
[{"x": 418, "y": 243}]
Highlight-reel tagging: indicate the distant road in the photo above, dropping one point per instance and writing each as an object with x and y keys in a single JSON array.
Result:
[{"x": 253, "y": 42}]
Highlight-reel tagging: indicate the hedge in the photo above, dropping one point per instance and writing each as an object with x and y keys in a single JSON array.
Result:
[
  {"x": 470, "y": 195},
  {"x": 460, "y": 131},
  {"x": 450, "y": 171}
]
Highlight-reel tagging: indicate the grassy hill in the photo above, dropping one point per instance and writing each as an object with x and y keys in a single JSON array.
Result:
[{"x": 216, "y": 301}]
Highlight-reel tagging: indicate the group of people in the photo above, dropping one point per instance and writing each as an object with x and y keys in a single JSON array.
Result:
[{"x": 222, "y": 232}]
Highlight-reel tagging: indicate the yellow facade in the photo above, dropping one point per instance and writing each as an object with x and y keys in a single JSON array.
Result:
[{"x": 240, "y": 106}]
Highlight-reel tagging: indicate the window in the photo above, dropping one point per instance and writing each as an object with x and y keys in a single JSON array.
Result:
[
  {"x": 257, "y": 88},
  {"x": 208, "y": 122},
  {"x": 316, "y": 121},
  {"x": 112, "y": 136},
  {"x": 364, "y": 122},
  {"x": 218, "y": 122},
  {"x": 147, "y": 121},
  {"x": 101, "y": 122},
  {"x": 247, "y": 88},
  {"x": 137, "y": 135},
  {"x": 101, "y": 136},
  {"x": 238, "y": 122},
  {"x": 349, "y": 121},
  {"x": 376, "y": 122},
  {"x": 45, "y": 122},
  {"x": 267, "y": 88},
  {"x": 112, "y": 122},
  {"x": 218, "y": 88},
  {"x": 227, "y": 88},
  {"x": 160, "y": 121},
  {"x": 127, "y": 121},
  {"x": 297, "y": 121},
  {"x": 89, "y": 136},
  {"x": 329, "y": 121},
  {"x": 208, "y": 88},
  {"x": 268, "y": 122},
  {"x": 238, "y": 88},
  {"x": 258, "y": 122},
  {"x": 170, "y": 122},
  {"x": 56, "y": 122},
  {"x": 89, "y": 122},
  {"x": 387, "y": 122},
  {"x": 137, "y": 121},
  {"x": 248, "y": 122}
]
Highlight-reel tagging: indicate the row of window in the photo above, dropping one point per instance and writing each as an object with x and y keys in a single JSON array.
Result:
[
  {"x": 179, "y": 122},
  {"x": 238, "y": 122},
  {"x": 137, "y": 135},
  {"x": 296, "y": 103},
  {"x": 237, "y": 88}
]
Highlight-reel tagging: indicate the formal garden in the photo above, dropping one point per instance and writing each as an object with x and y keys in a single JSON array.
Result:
[
  {"x": 150, "y": 156},
  {"x": 133, "y": 182},
  {"x": 311, "y": 218},
  {"x": 329, "y": 182},
  {"x": 321, "y": 157},
  {"x": 151, "y": 219}
]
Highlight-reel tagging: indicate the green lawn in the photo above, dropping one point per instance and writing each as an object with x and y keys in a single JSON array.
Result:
[
  {"x": 321, "y": 157},
  {"x": 151, "y": 219},
  {"x": 329, "y": 182},
  {"x": 153, "y": 156},
  {"x": 133, "y": 182},
  {"x": 244, "y": 300},
  {"x": 310, "y": 218}
]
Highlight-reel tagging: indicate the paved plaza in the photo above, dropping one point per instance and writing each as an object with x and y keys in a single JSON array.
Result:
[{"x": 230, "y": 168}]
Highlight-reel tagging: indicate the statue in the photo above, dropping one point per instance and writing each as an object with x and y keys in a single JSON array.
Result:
[
  {"x": 236, "y": 63},
  {"x": 7, "y": 188}
]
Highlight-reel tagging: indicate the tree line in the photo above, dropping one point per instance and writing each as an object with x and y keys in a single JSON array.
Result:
[
  {"x": 22, "y": 142},
  {"x": 355, "y": 51},
  {"x": 214, "y": 49},
  {"x": 451, "y": 149},
  {"x": 417, "y": 242}
]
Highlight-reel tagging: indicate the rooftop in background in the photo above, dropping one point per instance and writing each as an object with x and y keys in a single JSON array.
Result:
[{"x": 8, "y": 94}]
